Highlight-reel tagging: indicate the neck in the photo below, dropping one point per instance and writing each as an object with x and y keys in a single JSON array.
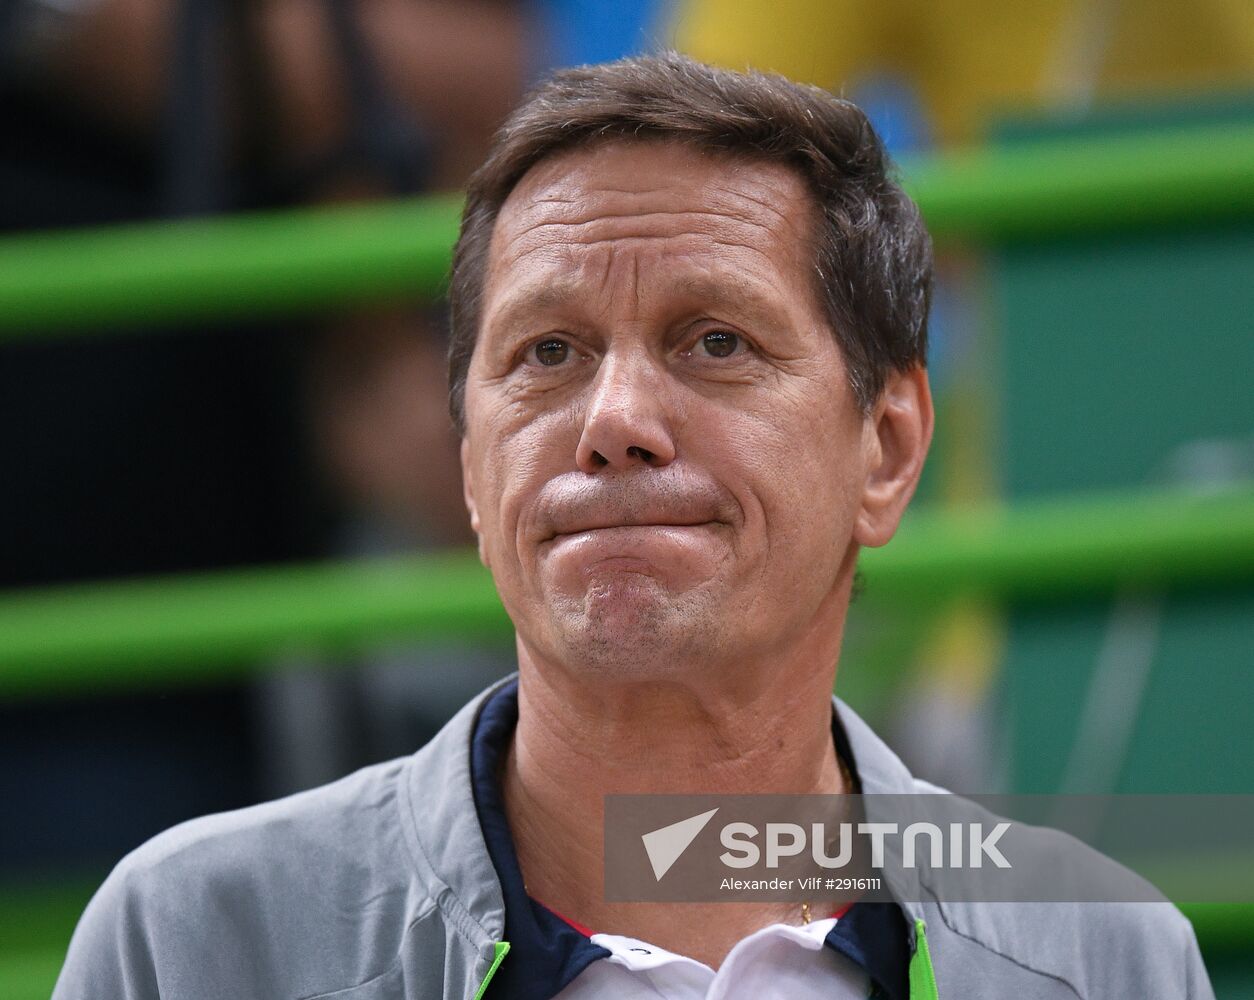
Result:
[{"x": 743, "y": 729}]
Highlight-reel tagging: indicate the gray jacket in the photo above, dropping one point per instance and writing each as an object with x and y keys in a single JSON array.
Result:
[{"x": 380, "y": 887}]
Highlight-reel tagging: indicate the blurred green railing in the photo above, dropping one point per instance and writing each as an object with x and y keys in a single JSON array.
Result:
[
  {"x": 115, "y": 633},
  {"x": 292, "y": 261}
]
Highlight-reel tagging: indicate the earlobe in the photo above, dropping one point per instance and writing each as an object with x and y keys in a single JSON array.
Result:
[
  {"x": 468, "y": 494},
  {"x": 901, "y": 425}
]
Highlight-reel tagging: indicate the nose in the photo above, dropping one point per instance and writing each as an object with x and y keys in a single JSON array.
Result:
[{"x": 626, "y": 423}]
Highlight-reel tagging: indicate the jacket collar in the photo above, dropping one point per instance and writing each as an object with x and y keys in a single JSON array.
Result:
[
  {"x": 452, "y": 860},
  {"x": 881, "y": 772}
]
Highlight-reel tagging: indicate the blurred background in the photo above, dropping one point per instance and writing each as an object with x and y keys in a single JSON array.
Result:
[{"x": 233, "y": 552}]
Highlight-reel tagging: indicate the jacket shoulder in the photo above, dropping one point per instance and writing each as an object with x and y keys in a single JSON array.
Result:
[
  {"x": 1085, "y": 948},
  {"x": 1089, "y": 949},
  {"x": 267, "y": 900}
]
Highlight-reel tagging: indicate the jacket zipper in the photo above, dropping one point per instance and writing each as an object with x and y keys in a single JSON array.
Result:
[
  {"x": 922, "y": 976},
  {"x": 500, "y": 950}
]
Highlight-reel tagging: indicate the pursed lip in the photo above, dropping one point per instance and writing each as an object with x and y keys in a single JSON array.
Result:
[
  {"x": 607, "y": 525},
  {"x": 671, "y": 498}
]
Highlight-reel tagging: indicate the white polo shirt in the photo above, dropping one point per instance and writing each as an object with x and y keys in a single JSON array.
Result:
[{"x": 778, "y": 961}]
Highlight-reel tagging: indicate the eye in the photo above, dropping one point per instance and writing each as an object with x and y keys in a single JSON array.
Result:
[
  {"x": 549, "y": 352},
  {"x": 719, "y": 343}
]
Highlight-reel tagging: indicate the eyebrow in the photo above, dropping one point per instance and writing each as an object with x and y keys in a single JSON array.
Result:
[
  {"x": 728, "y": 288},
  {"x": 535, "y": 297}
]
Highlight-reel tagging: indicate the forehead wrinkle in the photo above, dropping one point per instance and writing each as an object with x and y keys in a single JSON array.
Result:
[
  {"x": 723, "y": 245},
  {"x": 771, "y": 205},
  {"x": 566, "y": 265},
  {"x": 612, "y": 290},
  {"x": 563, "y": 221},
  {"x": 575, "y": 198},
  {"x": 564, "y": 287},
  {"x": 569, "y": 229},
  {"x": 567, "y": 287}
]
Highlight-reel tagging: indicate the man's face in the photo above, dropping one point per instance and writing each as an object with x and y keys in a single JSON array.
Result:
[{"x": 663, "y": 458}]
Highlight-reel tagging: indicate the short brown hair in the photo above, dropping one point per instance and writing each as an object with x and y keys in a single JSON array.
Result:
[{"x": 874, "y": 258}]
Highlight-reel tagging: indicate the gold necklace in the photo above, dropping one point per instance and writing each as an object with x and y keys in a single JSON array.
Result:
[{"x": 846, "y": 781}]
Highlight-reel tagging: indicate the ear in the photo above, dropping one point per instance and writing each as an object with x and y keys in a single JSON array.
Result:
[
  {"x": 468, "y": 494},
  {"x": 897, "y": 434}
]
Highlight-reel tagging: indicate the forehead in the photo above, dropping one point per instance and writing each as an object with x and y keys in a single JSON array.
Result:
[{"x": 695, "y": 218}]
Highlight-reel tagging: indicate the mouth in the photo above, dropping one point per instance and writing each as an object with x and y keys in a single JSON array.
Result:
[{"x": 587, "y": 529}]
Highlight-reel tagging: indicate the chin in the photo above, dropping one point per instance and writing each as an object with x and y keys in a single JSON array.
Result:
[{"x": 630, "y": 626}]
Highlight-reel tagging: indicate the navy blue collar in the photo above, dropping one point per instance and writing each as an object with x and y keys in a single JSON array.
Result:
[
  {"x": 874, "y": 936},
  {"x": 547, "y": 954}
]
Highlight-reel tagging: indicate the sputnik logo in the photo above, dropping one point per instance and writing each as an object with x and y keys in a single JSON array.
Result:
[{"x": 665, "y": 845}]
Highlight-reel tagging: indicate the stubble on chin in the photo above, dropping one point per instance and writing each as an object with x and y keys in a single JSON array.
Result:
[{"x": 629, "y": 627}]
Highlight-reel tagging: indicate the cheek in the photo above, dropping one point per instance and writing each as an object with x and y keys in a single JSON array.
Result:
[
  {"x": 809, "y": 470},
  {"x": 516, "y": 459}
]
